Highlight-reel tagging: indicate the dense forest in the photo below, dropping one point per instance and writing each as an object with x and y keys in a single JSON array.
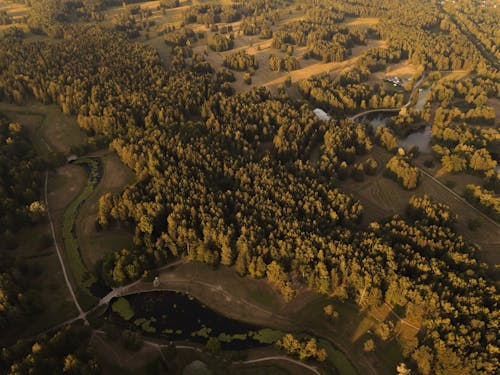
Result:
[{"x": 227, "y": 180}]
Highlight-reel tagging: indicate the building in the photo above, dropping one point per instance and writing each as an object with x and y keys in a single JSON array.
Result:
[{"x": 322, "y": 115}]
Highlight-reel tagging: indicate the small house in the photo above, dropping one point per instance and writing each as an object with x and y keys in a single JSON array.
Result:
[{"x": 322, "y": 115}]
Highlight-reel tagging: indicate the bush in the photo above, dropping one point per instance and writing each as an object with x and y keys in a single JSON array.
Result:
[
  {"x": 369, "y": 345},
  {"x": 474, "y": 224},
  {"x": 247, "y": 78}
]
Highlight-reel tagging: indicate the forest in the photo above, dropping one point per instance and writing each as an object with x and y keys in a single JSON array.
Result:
[{"x": 227, "y": 179}]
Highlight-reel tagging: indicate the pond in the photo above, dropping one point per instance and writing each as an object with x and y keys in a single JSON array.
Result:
[
  {"x": 178, "y": 316},
  {"x": 420, "y": 138}
]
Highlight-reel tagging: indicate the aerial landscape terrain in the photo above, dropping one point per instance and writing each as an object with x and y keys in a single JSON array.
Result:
[{"x": 250, "y": 187}]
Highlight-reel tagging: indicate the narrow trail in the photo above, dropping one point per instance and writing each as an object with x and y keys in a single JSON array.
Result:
[
  {"x": 280, "y": 358},
  {"x": 248, "y": 362},
  {"x": 58, "y": 251}
]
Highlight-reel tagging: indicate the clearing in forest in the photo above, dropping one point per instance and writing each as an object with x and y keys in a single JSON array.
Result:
[{"x": 93, "y": 243}]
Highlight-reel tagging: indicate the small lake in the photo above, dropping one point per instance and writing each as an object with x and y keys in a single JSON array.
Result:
[
  {"x": 178, "y": 316},
  {"x": 420, "y": 138}
]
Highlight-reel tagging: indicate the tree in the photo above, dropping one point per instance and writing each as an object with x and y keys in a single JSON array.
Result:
[
  {"x": 402, "y": 369},
  {"x": 369, "y": 345}
]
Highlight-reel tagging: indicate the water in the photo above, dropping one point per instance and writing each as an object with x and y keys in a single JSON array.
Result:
[
  {"x": 178, "y": 316},
  {"x": 422, "y": 139}
]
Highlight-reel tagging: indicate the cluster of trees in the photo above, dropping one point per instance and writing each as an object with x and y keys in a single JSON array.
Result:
[
  {"x": 385, "y": 137},
  {"x": 351, "y": 98},
  {"x": 325, "y": 41},
  {"x": 20, "y": 179},
  {"x": 304, "y": 349},
  {"x": 399, "y": 168},
  {"x": 464, "y": 146},
  {"x": 180, "y": 37},
  {"x": 286, "y": 63},
  {"x": 254, "y": 26},
  {"x": 5, "y": 19},
  {"x": 408, "y": 120},
  {"x": 65, "y": 351},
  {"x": 342, "y": 142},
  {"x": 212, "y": 13},
  {"x": 485, "y": 199},
  {"x": 241, "y": 61},
  {"x": 429, "y": 212},
  {"x": 219, "y": 42}
]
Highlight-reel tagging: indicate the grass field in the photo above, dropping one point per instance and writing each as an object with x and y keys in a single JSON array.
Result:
[
  {"x": 48, "y": 125},
  {"x": 48, "y": 285},
  {"x": 17, "y": 12},
  {"x": 360, "y": 22},
  {"x": 95, "y": 244},
  {"x": 382, "y": 197},
  {"x": 81, "y": 275}
]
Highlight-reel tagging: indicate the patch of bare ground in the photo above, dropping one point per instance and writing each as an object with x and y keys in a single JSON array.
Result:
[
  {"x": 404, "y": 70},
  {"x": 360, "y": 22}
]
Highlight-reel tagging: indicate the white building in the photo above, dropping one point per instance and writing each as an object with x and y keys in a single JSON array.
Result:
[{"x": 322, "y": 115}]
